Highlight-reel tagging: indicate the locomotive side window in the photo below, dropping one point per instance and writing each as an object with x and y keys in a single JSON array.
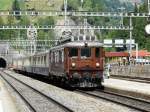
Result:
[
  {"x": 97, "y": 52},
  {"x": 85, "y": 52},
  {"x": 73, "y": 52}
]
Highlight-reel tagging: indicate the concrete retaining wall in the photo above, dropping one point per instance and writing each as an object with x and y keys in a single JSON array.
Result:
[{"x": 133, "y": 70}]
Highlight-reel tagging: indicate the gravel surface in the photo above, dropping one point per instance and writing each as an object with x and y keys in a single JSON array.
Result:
[
  {"x": 21, "y": 106},
  {"x": 40, "y": 103},
  {"x": 7, "y": 103},
  {"x": 123, "y": 100},
  {"x": 75, "y": 101}
]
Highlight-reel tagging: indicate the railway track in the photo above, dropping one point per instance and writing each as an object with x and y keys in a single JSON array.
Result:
[
  {"x": 34, "y": 99},
  {"x": 131, "y": 102},
  {"x": 135, "y": 79}
]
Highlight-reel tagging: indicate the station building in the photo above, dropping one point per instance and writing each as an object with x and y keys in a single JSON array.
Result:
[{"x": 123, "y": 57}]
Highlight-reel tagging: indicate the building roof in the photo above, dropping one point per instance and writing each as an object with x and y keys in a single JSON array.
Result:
[
  {"x": 141, "y": 53},
  {"x": 116, "y": 54}
]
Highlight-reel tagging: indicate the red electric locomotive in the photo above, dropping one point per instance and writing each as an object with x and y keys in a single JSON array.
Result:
[{"x": 75, "y": 61}]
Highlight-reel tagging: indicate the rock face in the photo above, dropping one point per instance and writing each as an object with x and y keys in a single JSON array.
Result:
[
  {"x": 75, "y": 32},
  {"x": 8, "y": 53}
]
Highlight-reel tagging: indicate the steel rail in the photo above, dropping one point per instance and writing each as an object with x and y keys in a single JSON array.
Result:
[
  {"x": 37, "y": 91},
  {"x": 134, "y": 79},
  {"x": 26, "y": 102},
  {"x": 108, "y": 98}
]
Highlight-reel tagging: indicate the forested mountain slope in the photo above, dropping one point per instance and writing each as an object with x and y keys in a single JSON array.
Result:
[{"x": 88, "y": 5}]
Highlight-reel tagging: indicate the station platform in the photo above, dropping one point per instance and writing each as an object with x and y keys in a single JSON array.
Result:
[
  {"x": 135, "y": 89},
  {"x": 6, "y": 101}
]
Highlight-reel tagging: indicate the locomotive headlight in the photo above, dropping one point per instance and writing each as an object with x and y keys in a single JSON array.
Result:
[
  {"x": 97, "y": 64},
  {"x": 73, "y": 64}
]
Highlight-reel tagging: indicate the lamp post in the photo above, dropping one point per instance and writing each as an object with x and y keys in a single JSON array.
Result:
[
  {"x": 136, "y": 51},
  {"x": 130, "y": 50}
]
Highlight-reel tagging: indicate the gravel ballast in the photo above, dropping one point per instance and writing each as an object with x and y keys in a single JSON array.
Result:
[
  {"x": 75, "y": 101},
  {"x": 20, "y": 104}
]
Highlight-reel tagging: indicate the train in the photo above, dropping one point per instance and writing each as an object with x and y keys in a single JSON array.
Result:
[{"x": 76, "y": 62}]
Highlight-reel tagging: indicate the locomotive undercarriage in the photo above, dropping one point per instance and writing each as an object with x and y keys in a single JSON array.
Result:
[{"x": 86, "y": 80}]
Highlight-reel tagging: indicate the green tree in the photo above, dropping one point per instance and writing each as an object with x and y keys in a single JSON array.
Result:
[
  {"x": 16, "y": 7},
  {"x": 73, "y": 4},
  {"x": 2, "y": 34},
  {"x": 10, "y": 33}
]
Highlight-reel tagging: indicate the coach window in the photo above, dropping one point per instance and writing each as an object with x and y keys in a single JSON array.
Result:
[
  {"x": 57, "y": 56},
  {"x": 92, "y": 38},
  {"x": 80, "y": 38},
  {"x": 33, "y": 61},
  {"x": 53, "y": 57},
  {"x": 44, "y": 60},
  {"x": 36, "y": 60},
  {"x": 60, "y": 56},
  {"x": 85, "y": 52},
  {"x": 73, "y": 52},
  {"x": 75, "y": 38},
  {"x": 97, "y": 52},
  {"x": 39, "y": 60},
  {"x": 87, "y": 37}
]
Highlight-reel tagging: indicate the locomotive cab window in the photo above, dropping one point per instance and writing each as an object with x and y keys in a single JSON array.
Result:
[
  {"x": 87, "y": 37},
  {"x": 73, "y": 52},
  {"x": 97, "y": 52},
  {"x": 85, "y": 52}
]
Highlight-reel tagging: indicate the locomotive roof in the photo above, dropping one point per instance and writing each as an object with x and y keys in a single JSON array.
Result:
[{"x": 79, "y": 44}]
